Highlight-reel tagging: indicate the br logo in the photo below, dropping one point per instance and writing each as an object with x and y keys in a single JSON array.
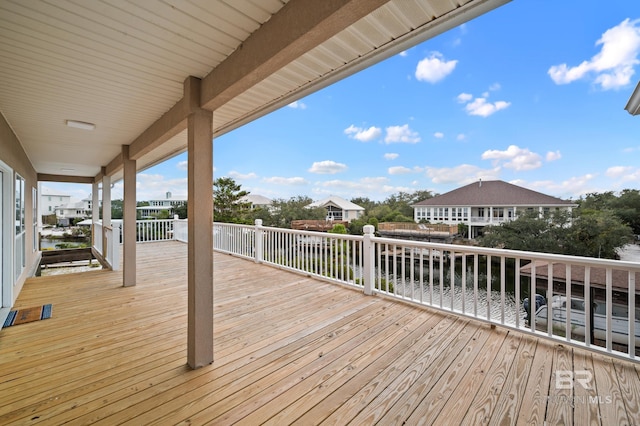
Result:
[{"x": 566, "y": 379}]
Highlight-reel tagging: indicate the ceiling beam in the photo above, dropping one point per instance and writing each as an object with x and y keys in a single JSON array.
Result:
[
  {"x": 171, "y": 123},
  {"x": 298, "y": 27},
  {"x": 43, "y": 177}
]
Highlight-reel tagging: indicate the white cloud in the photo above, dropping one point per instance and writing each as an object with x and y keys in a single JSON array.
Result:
[
  {"x": 391, "y": 156},
  {"x": 434, "y": 68},
  {"x": 297, "y": 105},
  {"x": 401, "y": 134},
  {"x": 371, "y": 187},
  {"x": 480, "y": 106},
  {"x": 183, "y": 165},
  {"x": 572, "y": 187},
  {"x": 404, "y": 53},
  {"x": 461, "y": 137},
  {"x": 155, "y": 186},
  {"x": 461, "y": 175},
  {"x": 363, "y": 135},
  {"x": 612, "y": 67},
  {"x": 327, "y": 167},
  {"x": 278, "y": 180},
  {"x": 515, "y": 158},
  {"x": 401, "y": 170},
  {"x": 242, "y": 176},
  {"x": 438, "y": 135},
  {"x": 463, "y": 98},
  {"x": 553, "y": 155},
  {"x": 624, "y": 174}
]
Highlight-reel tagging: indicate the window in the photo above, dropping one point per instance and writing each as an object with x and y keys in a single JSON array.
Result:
[
  {"x": 34, "y": 213},
  {"x": 19, "y": 224}
]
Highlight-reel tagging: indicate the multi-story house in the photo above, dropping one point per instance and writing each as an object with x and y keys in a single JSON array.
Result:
[
  {"x": 50, "y": 200},
  {"x": 485, "y": 203},
  {"x": 163, "y": 206}
]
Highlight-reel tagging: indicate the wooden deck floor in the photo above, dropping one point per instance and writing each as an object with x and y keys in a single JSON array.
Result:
[{"x": 288, "y": 350}]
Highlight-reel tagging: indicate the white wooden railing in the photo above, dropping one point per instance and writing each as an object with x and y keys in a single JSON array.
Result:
[
  {"x": 112, "y": 250},
  {"x": 97, "y": 236},
  {"x": 453, "y": 278}
]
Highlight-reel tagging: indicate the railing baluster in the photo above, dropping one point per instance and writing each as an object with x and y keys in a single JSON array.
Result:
[
  {"x": 550, "y": 298},
  {"x": 588, "y": 307},
  {"x": 476, "y": 278},
  {"x": 517, "y": 291},
  {"x": 503, "y": 268},
  {"x": 631, "y": 306},
  {"x": 464, "y": 282},
  {"x": 452, "y": 277},
  {"x": 488, "y": 287},
  {"x": 609, "y": 302},
  {"x": 569, "y": 302}
]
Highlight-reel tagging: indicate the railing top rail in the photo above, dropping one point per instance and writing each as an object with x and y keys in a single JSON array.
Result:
[
  {"x": 462, "y": 249},
  {"x": 296, "y": 232}
]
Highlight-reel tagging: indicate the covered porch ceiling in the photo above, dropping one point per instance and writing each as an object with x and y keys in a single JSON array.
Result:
[{"x": 123, "y": 65}]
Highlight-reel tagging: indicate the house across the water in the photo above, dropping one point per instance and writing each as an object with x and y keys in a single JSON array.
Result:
[{"x": 485, "y": 203}]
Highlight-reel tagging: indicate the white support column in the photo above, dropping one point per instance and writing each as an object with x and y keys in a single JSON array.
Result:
[
  {"x": 200, "y": 246},
  {"x": 129, "y": 220},
  {"x": 95, "y": 211},
  {"x": 106, "y": 211}
]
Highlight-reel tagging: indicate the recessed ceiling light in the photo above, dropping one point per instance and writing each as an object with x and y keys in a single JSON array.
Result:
[{"x": 80, "y": 124}]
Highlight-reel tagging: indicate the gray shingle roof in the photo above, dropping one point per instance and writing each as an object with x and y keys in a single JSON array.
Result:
[{"x": 494, "y": 193}]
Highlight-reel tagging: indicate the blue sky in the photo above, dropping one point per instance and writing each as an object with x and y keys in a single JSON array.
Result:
[{"x": 532, "y": 93}]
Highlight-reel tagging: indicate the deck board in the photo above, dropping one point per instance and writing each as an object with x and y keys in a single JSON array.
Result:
[{"x": 288, "y": 349}]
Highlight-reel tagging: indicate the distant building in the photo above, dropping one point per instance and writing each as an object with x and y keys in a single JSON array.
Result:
[
  {"x": 339, "y": 209},
  {"x": 257, "y": 201},
  {"x": 485, "y": 203},
  {"x": 67, "y": 213},
  {"x": 161, "y": 206},
  {"x": 50, "y": 199}
]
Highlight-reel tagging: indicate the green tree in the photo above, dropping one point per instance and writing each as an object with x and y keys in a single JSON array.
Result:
[
  {"x": 593, "y": 234},
  {"x": 181, "y": 211},
  {"x": 227, "y": 200},
  {"x": 284, "y": 211},
  {"x": 116, "y": 209},
  {"x": 627, "y": 208},
  {"x": 597, "y": 234}
]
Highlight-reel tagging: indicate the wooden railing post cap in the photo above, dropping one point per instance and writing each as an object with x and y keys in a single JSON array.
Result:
[
  {"x": 369, "y": 229},
  {"x": 258, "y": 222}
]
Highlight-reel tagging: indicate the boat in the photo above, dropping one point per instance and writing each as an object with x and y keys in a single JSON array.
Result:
[{"x": 619, "y": 319}]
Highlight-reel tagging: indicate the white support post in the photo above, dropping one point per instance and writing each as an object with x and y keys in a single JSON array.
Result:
[
  {"x": 129, "y": 221},
  {"x": 95, "y": 212},
  {"x": 259, "y": 236},
  {"x": 106, "y": 211},
  {"x": 369, "y": 260},
  {"x": 200, "y": 224}
]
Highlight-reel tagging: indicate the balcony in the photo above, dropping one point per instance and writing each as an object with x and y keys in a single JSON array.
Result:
[{"x": 289, "y": 348}]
